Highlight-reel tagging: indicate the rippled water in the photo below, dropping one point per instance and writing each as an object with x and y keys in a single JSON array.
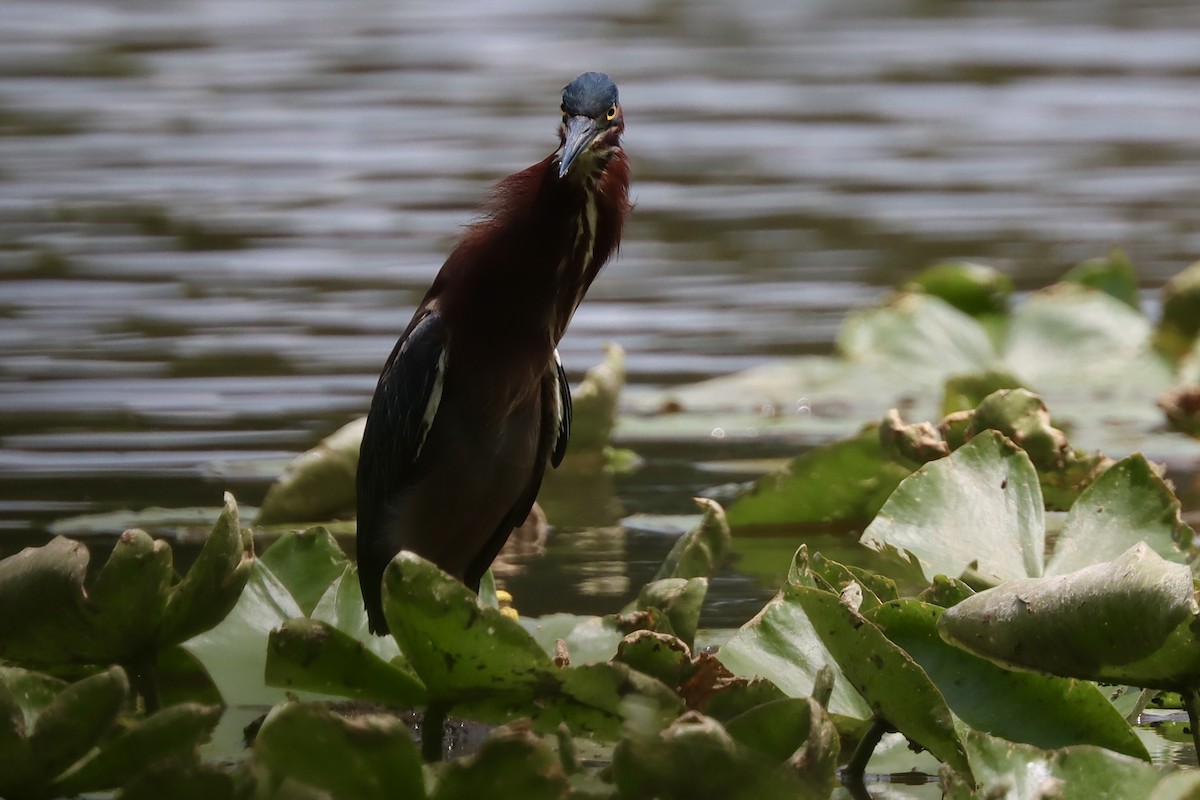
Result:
[{"x": 215, "y": 217}]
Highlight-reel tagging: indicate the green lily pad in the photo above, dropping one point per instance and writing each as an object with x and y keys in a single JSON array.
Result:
[
  {"x": 75, "y": 720},
  {"x": 894, "y": 685},
  {"x": 1068, "y": 330},
  {"x": 173, "y": 732},
  {"x": 594, "y": 403},
  {"x": 511, "y": 763},
  {"x": 1127, "y": 621},
  {"x": 965, "y": 392},
  {"x": 214, "y": 584},
  {"x": 317, "y": 484},
  {"x": 369, "y": 756},
  {"x": 918, "y": 334},
  {"x": 1128, "y": 503},
  {"x": 848, "y": 480},
  {"x": 484, "y": 665},
  {"x": 974, "y": 289},
  {"x": 680, "y": 601},
  {"x": 1083, "y": 772},
  {"x": 781, "y": 645},
  {"x": 589, "y": 640},
  {"x": 1112, "y": 274},
  {"x": 235, "y": 651},
  {"x": 982, "y": 504},
  {"x": 700, "y": 551},
  {"x": 314, "y": 656},
  {"x": 659, "y": 655},
  {"x": 1021, "y": 706},
  {"x": 134, "y": 607},
  {"x": 696, "y": 757},
  {"x": 1179, "y": 326},
  {"x": 306, "y": 563}
]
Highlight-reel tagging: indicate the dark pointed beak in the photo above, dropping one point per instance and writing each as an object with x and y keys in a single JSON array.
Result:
[{"x": 580, "y": 132}]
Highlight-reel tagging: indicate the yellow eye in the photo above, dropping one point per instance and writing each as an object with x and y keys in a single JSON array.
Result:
[{"x": 612, "y": 113}]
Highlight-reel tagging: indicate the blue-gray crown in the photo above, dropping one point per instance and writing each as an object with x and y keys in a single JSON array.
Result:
[{"x": 589, "y": 95}]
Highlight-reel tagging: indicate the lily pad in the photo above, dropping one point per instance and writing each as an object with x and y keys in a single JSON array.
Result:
[
  {"x": 1127, "y": 621},
  {"x": 1112, "y": 274},
  {"x": 369, "y": 756},
  {"x": 513, "y": 762},
  {"x": 696, "y": 757},
  {"x": 483, "y": 664},
  {"x": 894, "y": 685},
  {"x": 848, "y": 480},
  {"x": 1129, "y": 502},
  {"x": 314, "y": 656},
  {"x": 918, "y": 334},
  {"x": 974, "y": 289},
  {"x": 317, "y": 484},
  {"x": 306, "y": 564},
  {"x": 982, "y": 504},
  {"x": 700, "y": 551},
  {"x": 1044, "y": 711},
  {"x": 133, "y": 609},
  {"x": 1083, "y": 772}
]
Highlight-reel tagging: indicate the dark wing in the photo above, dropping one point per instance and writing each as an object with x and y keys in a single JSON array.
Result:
[
  {"x": 562, "y": 413},
  {"x": 402, "y": 412},
  {"x": 552, "y": 433}
]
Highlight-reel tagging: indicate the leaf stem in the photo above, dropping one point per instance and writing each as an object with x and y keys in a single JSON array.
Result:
[
  {"x": 1191, "y": 700},
  {"x": 852, "y": 775},
  {"x": 143, "y": 676},
  {"x": 432, "y": 730}
]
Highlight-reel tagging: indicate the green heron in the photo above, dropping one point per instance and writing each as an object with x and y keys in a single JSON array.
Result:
[{"x": 473, "y": 401}]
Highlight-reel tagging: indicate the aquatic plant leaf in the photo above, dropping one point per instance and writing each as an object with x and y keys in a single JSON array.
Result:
[
  {"x": 342, "y": 607},
  {"x": 306, "y": 563},
  {"x": 1179, "y": 326},
  {"x": 318, "y": 484},
  {"x": 777, "y": 729},
  {"x": 680, "y": 601},
  {"x": 965, "y": 392},
  {"x": 696, "y": 757},
  {"x": 235, "y": 651},
  {"x": 981, "y": 504},
  {"x": 453, "y": 645},
  {"x": 371, "y": 757},
  {"x": 1128, "y": 503},
  {"x": 176, "y": 731},
  {"x": 589, "y": 640},
  {"x": 46, "y": 583},
  {"x": 1020, "y": 706},
  {"x": 129, "y": 597},
  {"x": 701, "y": 551},
  {"x": 314, "y": 656},
  {"x": 974, "y": 289},
  {"x": 485, "y": 666},
  {"x": 512, "y": 762},
  {"x": 1069, "y": 332},
  {"x": 659, "y": 655},
  {"x": 594, "y": 403},
  {"x": 1126, "y": 621},
  {"x": 895, "y": 686},
  {"x": 1082, "y": 772},
  {"x": 1112, "y": 274},
  {"x": 945, "y": 592},
  {"x": 189, "y": 780},
  {"x": 214, "y": 584},
  {"x": 917, "y": 333},
  {"x": 75, "y": 719},
  {"x": 781, "y": 645},
  {"x": 848, "y": 480}
]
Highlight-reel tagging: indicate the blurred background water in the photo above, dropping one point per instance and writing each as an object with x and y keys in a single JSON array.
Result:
[{"x": 217, "y": 216}]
